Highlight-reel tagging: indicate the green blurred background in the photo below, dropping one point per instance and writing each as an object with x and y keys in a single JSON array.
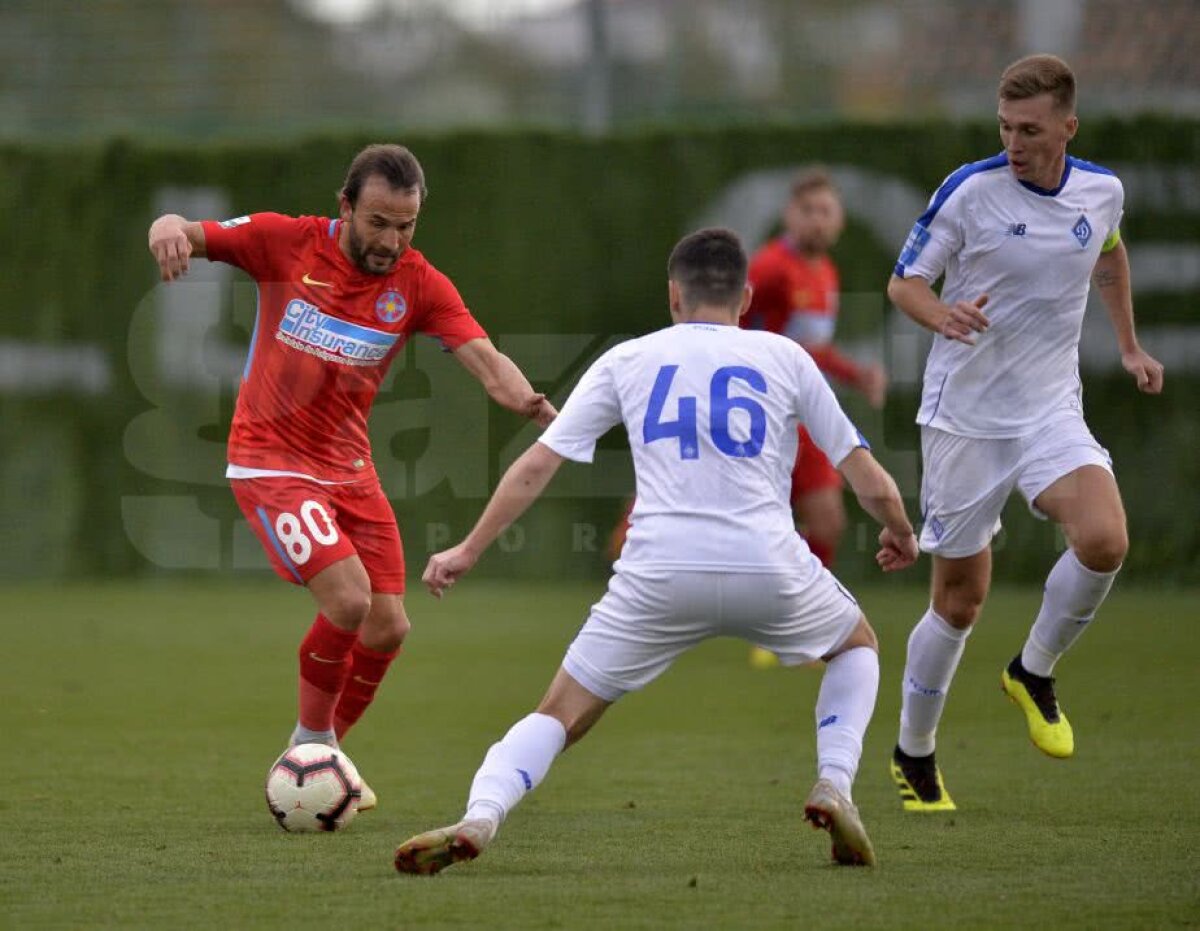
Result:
[{"x": 563, "y": 166}]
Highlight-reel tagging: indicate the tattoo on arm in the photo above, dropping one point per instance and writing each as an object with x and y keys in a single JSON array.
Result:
[{"x": 1105, "y": 279}]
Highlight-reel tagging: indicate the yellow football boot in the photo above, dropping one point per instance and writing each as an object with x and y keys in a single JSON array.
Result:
[
  {"x": 920, "y": 783},
  {"x": 1049, "y": 728}
]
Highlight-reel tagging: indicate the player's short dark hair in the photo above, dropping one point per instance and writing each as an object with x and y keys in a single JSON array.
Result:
[
  {"x": 808, "y": 180},
  {"x": 394, "y": 163},
  {"x": 1039, "y": 74},
  {"x": 709, "y": 266}
]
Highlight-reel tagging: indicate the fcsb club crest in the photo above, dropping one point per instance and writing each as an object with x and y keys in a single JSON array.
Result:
[{"x": 390, "y": 307}]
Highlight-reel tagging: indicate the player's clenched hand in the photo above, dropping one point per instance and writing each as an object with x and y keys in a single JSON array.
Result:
[
  {"x": 171, "y": 249},
  {"x": 1146, "y": 370},
  {"x": 896, "y": 551},
  {"x": 964, "y": 320},
  {"x": 445, "y": 568},
  {"x": 540, "y": 410}
]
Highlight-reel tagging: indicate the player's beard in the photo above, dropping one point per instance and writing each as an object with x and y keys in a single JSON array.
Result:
[{"x": 359, "y": 254}]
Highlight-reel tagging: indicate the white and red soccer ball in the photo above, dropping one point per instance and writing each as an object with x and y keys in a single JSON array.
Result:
[{"x": 312, "y": 787}]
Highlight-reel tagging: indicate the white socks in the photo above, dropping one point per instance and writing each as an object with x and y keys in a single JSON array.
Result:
[
  {"x": 1073, "y": 593},
  {"x": 844, "y": 707},
  {"x": 514, "y": 766},
  {"x": 302, "y": 735},
  {"x": 934, "y": 649}
]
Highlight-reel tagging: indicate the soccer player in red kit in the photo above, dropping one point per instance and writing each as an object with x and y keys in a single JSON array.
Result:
[
  {"x": 337, "y": 299},
  {"x": 796, "y": 293}
]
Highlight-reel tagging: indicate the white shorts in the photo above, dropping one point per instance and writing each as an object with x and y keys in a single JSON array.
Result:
[
  {"x": 648, "y": 618},
  {"x": 966, "y": 481}
]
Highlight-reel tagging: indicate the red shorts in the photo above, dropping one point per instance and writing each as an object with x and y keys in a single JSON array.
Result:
[
  {"x": 813, "y": 470},
  {"x": 306, "y": 527}
]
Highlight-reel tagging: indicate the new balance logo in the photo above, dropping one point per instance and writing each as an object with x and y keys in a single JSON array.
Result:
[{"x": 1016, "y": 229}]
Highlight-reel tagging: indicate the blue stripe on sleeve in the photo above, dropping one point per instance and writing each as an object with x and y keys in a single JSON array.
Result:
[
  {"x": 952, "y": 184},
  {"x": 253, "y": 335},
  {"x": 1083, "y": 165}
]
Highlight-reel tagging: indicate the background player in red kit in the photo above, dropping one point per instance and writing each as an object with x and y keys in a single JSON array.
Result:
[
  {"x": 796, "y": 293},
  {"x": 337, "y": 300}
]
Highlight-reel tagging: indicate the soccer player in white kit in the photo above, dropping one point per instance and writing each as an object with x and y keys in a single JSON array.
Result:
[
  {"x": 711, "y": 411},
  {"x": 1019, "y": 234}
]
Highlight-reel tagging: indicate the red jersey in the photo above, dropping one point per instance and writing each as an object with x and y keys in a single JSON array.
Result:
[
  {"x": 798, "y": 297},
  {"x": 324, "y": 337}
]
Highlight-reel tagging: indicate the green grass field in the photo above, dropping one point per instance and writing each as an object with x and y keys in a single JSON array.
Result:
[{"x": 142, "y": 718}]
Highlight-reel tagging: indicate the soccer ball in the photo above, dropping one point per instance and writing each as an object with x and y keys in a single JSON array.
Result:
[{"x": 313, "y": 787}]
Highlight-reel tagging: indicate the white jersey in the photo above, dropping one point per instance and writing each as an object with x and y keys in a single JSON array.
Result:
[
  {"x": 1032, "y": 251},
  {"x": 711, "y": 413}
]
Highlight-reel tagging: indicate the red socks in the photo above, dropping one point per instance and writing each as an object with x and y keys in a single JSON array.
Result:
[
  {"x": 367, "y": 670},
  {"x": 324, "y": 667}
]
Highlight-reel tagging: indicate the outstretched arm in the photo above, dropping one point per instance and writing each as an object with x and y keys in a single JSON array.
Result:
[
  {"x": 1111, "y": 275},
  {"x": 960, "y": 321},
  {"x": 877, "y": 493},
  {"x": 870, "y": 379},
  {"x": 503, "y": 381},
  {"x": 173, "y": 240},
  {"x": 518, "y": 489}
]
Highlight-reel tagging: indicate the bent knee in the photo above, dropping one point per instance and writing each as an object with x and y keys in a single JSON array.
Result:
[
  {"x": 960, "y": 606},
  {"x": 1103, "y": 552},
  {"x": 347, "y": 608}
]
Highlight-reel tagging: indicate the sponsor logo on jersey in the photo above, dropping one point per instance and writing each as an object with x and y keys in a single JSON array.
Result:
[
  {"x": 306, "y": 328},
  {"x": 236, "y": 221},
  {"x": 1082, "y": 230},
  {"x": 1016, "y": 229},
  {"x": 390, "y": 307},
  {"x": 916, "y": 241}
]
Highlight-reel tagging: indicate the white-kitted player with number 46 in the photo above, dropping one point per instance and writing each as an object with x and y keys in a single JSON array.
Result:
[{"x": 711, "y": 411}]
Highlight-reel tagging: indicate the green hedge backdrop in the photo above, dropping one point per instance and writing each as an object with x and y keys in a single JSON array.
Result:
[{"x": 558, "y": 243}]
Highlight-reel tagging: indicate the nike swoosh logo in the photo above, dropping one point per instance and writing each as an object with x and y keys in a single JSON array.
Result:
[
  {"x": 365, "y": 681},
  {"x": 313, "y": 281},
  {"x": 322, "y": 659}
]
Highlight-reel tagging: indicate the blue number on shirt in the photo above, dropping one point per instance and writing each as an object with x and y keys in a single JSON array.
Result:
[
  {"x": 685, "y": 427},
  {"x": 720, "y": 406}
]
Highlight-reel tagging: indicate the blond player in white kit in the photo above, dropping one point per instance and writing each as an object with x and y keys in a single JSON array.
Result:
[
  {"x": 711, "y": 411},
  {"x": 1017, "y": 237}
]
